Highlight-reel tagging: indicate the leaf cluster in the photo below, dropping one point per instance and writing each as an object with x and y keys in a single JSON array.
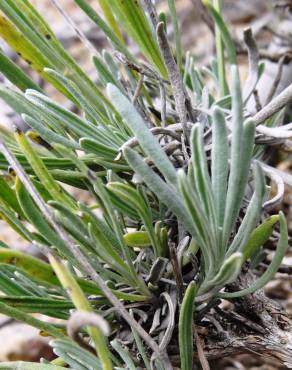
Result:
[{"x": 174, "y": 180}]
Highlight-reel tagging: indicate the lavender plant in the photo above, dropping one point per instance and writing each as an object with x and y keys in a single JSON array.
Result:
[{"x": 174, "y": 174}]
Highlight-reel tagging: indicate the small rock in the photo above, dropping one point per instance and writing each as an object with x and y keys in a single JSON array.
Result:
[{"x": 23, "y": 342}]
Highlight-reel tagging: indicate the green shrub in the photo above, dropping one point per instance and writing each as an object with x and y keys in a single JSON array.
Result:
[{"x": 165, "y": 163}]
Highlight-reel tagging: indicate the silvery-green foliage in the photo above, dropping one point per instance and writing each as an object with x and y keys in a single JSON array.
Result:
[{"x": 172, "y": 180}]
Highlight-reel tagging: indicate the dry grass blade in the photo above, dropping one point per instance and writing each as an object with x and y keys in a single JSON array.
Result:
[
  {"x": 174, "y": 76},
  {"x": 201, "y": 355}
]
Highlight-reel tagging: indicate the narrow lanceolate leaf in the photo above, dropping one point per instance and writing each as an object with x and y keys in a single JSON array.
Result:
[
  {"x": 104, "y": 72},
  {"x": 74, "y": 355},
  {"x": 9, "y": 196},
  {"x": 16, "y": 101},
  {"x": 17, "y": 314},
  {"x": 185, "y": 327},
  {"x": 227, "y": 273},
  {"x": 201, "y": 176},
  {"x": 236, "y": 160},
  {"x": 136, "y": 200},
  {"x": 148, "y": 142},
  {"x": 137, "y": 239},
  {"x": 12, "y": 220},
  {"x": 81, "y": 303},
  {"x": 47, "y": 49},
  {"x": 21, "y": 365},
  {"x": 38, "y": 304},
  {"x": 237, "y": 192},
  {"x": 76, "y": 95},
  {"x": 107, "y": 253},
  {"x": 273, "y": 267},
  {"x": 241, "y": 153},
  {"x": 164, "y": 192},
  {"x": 19, "y": 15},
  {"x": 22, "y": 45},
  {"x": 221, "y": 65},
  {"x": 219, "y": 163},
  {"x": 132, "y": 17},
  {"x": 33, "y": 266},
  {"x": 15, "y": 75},
  {"x": 71, "y": 121},
  {"x": 260, "y": 236},
  {"x": 47, "y": 134},
  {"x": 109, "y": 16},
  {"x": 253, "y": 212},
  {"x": 200, "y": 223},
  {"x": 225, "y": 34},
  {"x": 41, "y": 171},
  {"x": 110, "y": 34},
  {"x": 40, "y": 270},
  {"x": 36, "y": 218},
  {"x": 124, "y": 353},
  {"x": 101, "y": 150},
  {"x": 8, "y": 284}
]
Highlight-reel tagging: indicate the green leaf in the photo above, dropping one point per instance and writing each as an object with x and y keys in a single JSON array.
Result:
[
  {"x": 164, "y": 192},
  {"x": 8, "y": 195},
  {"x": 81, "y": 303},
  {"x": 273, "y": 267},
  {"x": 219, "y": 163},
  {"x": 76, "y": 95},
  {"x": 33, "y": 266},
  {"x": 42, "y": 49},
  {"x": 74, "y": 355},
  {"x": 38, "y": 304},
  {"x": 8, "y": 284},
  {"x": 220, "y": 51},
  {"x": 30, "y": 320},
  {"x": 107, "y": 253},
  {"x": 106, "y": 8},
  {"x": 41, "y": 171},
  {"x": 15, "y": 75},
  {"x": 131, "y": 15},
  {"x": 104, "y": 73},
  {"x": 259, "y": 237},
  {"x": 226, "y": 37},
  {"x": 72, "y": 121},
  {"x": 137, "y": 200},
  {"x": 22, "y": 45},
  {"x": 124, "y": 353},
  {"x": 12, "y": 220},
  {"x": 241, "y": 153},
  {"x": 47, "y": 134},
  {"x": 34, "y": 215},
  {"x": 253, "y": 213},
  {"x": 20, "y": 365},
  {"x": 228, "y": 272},
  {"x": 119, "y": 45},
  {"x": 202, "y": 178},
  {"x": 185, "y": 327},
  {"x": 42, "y": 272},
  {"x": 137, "y": 239},
  {"x": 200, "y": 223},
  {"x": 101, "y": 150},
  {"x": 148, "y": 142}
]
